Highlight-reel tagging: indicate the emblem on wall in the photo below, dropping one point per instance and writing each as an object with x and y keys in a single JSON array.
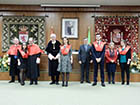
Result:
[
  {"x": 23, "y": 34},
  {"x": 23, "y": 28},
  {"x": 116, "y": 28},
  {"x": 116, "y": 36}
]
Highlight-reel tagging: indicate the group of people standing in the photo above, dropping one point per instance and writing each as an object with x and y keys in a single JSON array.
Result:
[
  {"x": 60, "y": 60},
  {"x": 25, "y": 59},
  {"x": 98, "y": 54}
]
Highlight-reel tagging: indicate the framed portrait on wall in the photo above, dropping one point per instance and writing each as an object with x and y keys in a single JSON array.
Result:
[{"x": 70, "y": 27}]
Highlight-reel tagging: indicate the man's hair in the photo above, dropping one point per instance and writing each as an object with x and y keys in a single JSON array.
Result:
[
  {"x": 53, "y": 35},
  {"x": 85, "y": 38}
]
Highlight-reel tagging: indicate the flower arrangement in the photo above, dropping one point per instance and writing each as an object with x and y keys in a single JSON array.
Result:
[
  {"x": 4, "y": 63},
  {"x": 135, "y": 63}
]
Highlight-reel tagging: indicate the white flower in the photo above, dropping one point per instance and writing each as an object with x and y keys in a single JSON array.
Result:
[
  {"x": 3, "y": 62},
  {"x": 133, "y": 71}
]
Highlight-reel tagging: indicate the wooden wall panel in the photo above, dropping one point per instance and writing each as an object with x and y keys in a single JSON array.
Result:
[
  {"x": 85, "y": 20},
  {"x": 75, "y": 77}
]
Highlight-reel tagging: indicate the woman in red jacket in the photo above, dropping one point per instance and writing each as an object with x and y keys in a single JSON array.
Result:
[{"x": 111, "y": 60}]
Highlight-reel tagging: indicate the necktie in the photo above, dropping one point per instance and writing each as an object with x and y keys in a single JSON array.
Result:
[
  {"x": 98, "y": 43},
  {"x": 86, "y": 47}
]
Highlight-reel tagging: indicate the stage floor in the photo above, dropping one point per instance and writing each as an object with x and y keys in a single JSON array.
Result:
[{"x": 75, "y": 94}]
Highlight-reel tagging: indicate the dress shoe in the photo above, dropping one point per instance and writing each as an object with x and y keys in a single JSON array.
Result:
[
  {"x": 103, "y": 85},
  {"x": 88, "y": 82},
  {"x": 11, "y": 81},
  {"x": 113, "y": 82},
  {"x": 109, "y": 82},
  {"x": 22, "y": 84},
  {"x": 63, "y": 84},
  {"x": 19, "y": 81},
  {"x": 94, "y": 84},
  {"x": 66, "y": 84},
  {"x": 57, "y": 83},
  {"x": 127, "y": 83},
  {"x": 36, "y": 83},
  {"x": 31, "y": 83},
  {"x": 82, "y": 82},
  {"x": 52, "y": 83},
  {"x": 123, "y": 83}
]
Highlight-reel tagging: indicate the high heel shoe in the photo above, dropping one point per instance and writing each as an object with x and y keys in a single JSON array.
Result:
[
  {"x": 66, "y": 84},
  {"x": 63, "y": 84}
]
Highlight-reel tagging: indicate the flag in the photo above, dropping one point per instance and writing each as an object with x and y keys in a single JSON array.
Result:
[{"x": 89, "y": 40}]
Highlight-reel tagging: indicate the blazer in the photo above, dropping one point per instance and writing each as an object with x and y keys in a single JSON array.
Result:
[
  {"x": 109, "y": 58},
  {"x": 128, "y": 55},
  {"x": 97, "y": 54},
  {"x": 84, "y": 55}
]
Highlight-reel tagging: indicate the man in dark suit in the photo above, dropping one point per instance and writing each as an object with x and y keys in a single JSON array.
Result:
[
  {"x": 85, "y": 59},
  {"x": 98, "y": 53}
]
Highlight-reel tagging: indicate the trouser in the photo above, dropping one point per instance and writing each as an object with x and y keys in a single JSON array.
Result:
[
  {"x": 55, "y": 78},
  {"x": 125, "y": 68},
  {"x": 85, "y": 68},
  {"x": 111, "y": 74},
  {"x": 101, "y": 71},
  {"x": 111, "y": 68},
  {"x": 13, "y": 78}
]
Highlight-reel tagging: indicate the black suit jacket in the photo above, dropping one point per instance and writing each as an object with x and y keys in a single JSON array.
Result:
[
  {"x": 84, "y": 56},
  {"x": 97, "y": 54}
]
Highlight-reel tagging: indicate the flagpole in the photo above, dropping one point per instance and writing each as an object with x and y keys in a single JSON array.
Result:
[{"x": 89, "y": 39}]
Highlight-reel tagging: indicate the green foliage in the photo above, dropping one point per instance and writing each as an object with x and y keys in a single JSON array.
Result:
[{"x": 4, "y": 63}]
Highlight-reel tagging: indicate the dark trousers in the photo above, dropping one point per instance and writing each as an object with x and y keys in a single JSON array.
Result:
[
  {"x": 111, "y": 74},
  {"x": 85, "y": 68},
  {"x": 53, "y": 65},
  {"x": 55, "y": 78},
  {"x": 13, "y": 78},
  {"x": 101, "y": 71},
  {"x": 111, "y": 69},
  {"x": 125, "y": 68},
  {"x": 34, "y": 80}
]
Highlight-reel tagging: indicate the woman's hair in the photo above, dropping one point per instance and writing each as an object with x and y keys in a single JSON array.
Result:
[
  {"x": 25, "y": 50},
  {"x": 124, "y": 42},
  {"x": 67, "y": 40}
]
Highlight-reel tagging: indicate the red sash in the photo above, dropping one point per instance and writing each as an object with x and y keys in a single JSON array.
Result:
[
  {"x": 99, "y": 47},
  {"x": 65, "y": 50},
  {"x": 41, "y": 51},
  {"x": 107, "y": 55},
  {"x": 124, "y": 51},
  {"x": 25, "y": 55},
  {"x": 13, "y": 49},
  {"x": 33, "y": 49}
]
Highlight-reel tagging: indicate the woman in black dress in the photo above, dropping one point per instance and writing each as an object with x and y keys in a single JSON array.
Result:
[{"x": 22, "y": 62}]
